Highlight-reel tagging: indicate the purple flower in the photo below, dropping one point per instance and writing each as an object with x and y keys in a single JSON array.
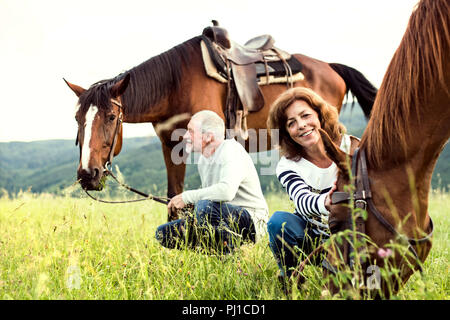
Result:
[{"x": 384, "y": 253}]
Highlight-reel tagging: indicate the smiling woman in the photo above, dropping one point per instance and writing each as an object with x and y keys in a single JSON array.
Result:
[{"x": 305, "y": 171}]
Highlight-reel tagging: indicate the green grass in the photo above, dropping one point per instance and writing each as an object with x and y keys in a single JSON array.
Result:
[{"x": 46, "y": 242}]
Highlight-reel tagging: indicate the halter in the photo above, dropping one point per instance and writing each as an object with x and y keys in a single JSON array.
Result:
[
  {"x": 363, "y": 200},
  {"x": 116, "y": 134}
]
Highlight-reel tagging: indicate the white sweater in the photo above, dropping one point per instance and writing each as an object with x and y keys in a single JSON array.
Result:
[
  {"x": 229, "y": 175},
  {"x": 308, "y": 185}
]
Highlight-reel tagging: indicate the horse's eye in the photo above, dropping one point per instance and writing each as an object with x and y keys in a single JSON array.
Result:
[{"x": 112, "y": 117}]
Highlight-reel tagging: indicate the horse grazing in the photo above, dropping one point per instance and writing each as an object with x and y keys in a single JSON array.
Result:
[
  {"x": 407, "y": 131},
  {"x": 175, "y": 83}
]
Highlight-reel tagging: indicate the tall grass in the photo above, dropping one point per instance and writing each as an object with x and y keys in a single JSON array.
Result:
[{"x": 67, "y": 248}]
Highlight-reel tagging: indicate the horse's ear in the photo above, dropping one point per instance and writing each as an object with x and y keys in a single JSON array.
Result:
[
  {"x": 334, "y": 152},
  {"x": 77, "y": 89},
  {"x": 119, "y": 88}
]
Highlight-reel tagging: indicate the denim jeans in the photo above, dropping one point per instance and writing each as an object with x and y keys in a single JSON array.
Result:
[
  {"x": 287, "y": 232},
  {"x": 216, "y": 225}
]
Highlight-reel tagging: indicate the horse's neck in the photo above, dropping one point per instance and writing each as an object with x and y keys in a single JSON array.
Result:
[
  {"x": 161, "y": 86},
  {"x": 408, "y": 182},
  {"x": 429, "y": 129},
  {"x": 153, "y": 113}
]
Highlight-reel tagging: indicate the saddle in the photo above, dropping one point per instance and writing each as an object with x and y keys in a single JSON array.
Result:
[{"x": 244, "y": 69}]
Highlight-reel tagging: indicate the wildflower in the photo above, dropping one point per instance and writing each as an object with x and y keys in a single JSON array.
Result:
[{"x": 384, "y": 253}]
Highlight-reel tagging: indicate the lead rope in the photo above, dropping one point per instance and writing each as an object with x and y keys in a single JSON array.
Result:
[{"x": 146, "y": 196}]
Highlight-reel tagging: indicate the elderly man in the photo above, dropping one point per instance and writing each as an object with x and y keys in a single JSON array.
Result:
[{"x": 229, "y": 206}]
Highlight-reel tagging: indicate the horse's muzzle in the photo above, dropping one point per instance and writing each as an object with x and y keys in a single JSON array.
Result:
[{"x": 90, "y": 179}]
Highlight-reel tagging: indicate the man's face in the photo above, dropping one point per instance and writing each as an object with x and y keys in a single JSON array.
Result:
[{"x": 194, "y": 137}]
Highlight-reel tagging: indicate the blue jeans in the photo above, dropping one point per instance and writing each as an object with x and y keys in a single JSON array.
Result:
[
  {"x": 287, "y": 231},
  {"x": 216, "y": 225}
]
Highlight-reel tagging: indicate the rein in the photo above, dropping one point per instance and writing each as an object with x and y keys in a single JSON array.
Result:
[
  {"x": 146, "y": 196},
  {"x": 363, "y": 200}
]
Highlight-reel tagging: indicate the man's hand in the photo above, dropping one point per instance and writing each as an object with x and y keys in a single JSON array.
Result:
[{"x": 176, "y": 203}]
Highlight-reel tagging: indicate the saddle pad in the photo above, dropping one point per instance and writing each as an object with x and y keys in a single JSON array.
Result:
[{"x": 277, "y": 73}]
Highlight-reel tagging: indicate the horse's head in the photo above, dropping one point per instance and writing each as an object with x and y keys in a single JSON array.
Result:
[
  {"x": 99, "y": 116},
  {"x": 339, "y": 213},
  {"x": 340, "y": 218}
]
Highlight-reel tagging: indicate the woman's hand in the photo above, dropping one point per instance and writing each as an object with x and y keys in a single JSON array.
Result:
[{"x": 328, "y": 197}]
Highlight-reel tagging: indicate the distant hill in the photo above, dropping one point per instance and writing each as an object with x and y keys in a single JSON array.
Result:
[{"x": 50, "y": 166}]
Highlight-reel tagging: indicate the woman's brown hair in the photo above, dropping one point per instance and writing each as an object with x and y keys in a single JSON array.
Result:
[{"x": 328, "y": 117}]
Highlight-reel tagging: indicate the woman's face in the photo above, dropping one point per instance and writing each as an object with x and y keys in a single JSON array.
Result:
[{"x": 302, "y": 124}]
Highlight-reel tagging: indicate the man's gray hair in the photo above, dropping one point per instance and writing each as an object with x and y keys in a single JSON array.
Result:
[{"x": 210, "y": 122}]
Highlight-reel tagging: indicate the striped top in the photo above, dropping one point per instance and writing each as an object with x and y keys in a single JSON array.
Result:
[{"x": 307, "y": 186}]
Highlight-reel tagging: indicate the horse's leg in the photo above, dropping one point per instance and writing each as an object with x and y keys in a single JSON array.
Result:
[
  {"x": 175, "y": 173},
  {"x": 174, "y": 157},
  {"x": 175, "y": 177}
]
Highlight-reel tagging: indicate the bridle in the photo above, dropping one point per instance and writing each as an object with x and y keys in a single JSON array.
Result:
[
  {"x": 362, "y": 198},
  {"x": 108, "y": 164},
  {"x": 119, "y": 122}
]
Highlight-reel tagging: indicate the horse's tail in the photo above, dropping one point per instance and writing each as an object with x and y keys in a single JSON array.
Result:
[{"x": 359, "y": 86}]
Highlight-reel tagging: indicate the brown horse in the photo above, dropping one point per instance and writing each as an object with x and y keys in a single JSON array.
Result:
[
  {"x": 404, "y": 137},
  {"x": 174, "y": 83}
]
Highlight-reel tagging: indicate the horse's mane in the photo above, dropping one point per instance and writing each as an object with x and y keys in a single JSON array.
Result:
[
  {"x": 150, "y": 81},
  {"x": 414, "y": 72}
]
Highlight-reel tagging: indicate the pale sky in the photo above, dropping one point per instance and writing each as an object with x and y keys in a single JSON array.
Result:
[{"x": 85, "y": 41}]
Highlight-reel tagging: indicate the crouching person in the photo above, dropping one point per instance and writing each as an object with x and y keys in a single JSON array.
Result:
[
  {"x": 229, "y": 208},
  {"x": 306, "y": 172}
]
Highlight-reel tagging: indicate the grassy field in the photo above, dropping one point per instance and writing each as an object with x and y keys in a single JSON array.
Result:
[{"x": 67, "y": 248}]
